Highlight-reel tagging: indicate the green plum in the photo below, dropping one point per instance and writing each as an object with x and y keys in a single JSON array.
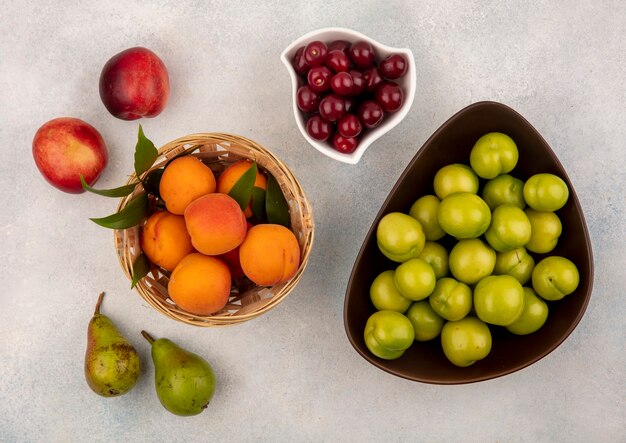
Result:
[
  {"x": 455, "y": 178},
  {"x": 533, "y": 317},
  {"x": 517, "y": 263},
  {"x": 504, "y": 189},
  {"x": 555, "y": 277},
  {"x": 471, "y": 260},
  {"x": 424, "y": 210},
  {"x": 415, "y": 279},
  {"x": 451, "y": 299},
  {"x": 464, "y": 215},
  {"x": 426, "y": 323},
  {"x": 400, "y": 236},
  {"x": 385, "y": 296},
  {"x": 388, "y": 334},
  {"x": 493, "y": 154},
  {"x": 499, "y": 300},
  {"x": 437, "y": 256},
  {"x": 545, "y": 231},
  {"x": 465, "y": 341},
  {"x": 546, "y": 192},
  {"x": 509, "y": 228}
]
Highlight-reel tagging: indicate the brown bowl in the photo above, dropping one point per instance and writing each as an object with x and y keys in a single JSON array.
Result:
[{"x": 451, "y": 143}]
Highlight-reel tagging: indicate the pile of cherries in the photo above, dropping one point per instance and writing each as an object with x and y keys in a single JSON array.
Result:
[{"x": 346, "y": 90}]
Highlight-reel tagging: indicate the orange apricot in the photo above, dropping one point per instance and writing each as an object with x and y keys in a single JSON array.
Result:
[
  {"x": 270, "y": 254},
  {"x": 215, "y": 223},
  {"x": 230, "y": 175},
  {"x": 200, "y": 284},
  {"x": 164, "y": 239},
  {"x": 184, "y": 180}
]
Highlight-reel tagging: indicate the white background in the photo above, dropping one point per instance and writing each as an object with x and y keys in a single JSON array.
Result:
[{"x": 292, "y": 375}]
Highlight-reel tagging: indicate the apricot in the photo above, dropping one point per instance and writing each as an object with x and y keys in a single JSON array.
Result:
[
  {"x": 215, "y": 223},
  {"x": 230, "y": 175},
  {"x": 270, "y": 254},
  {"x": 164, "y": 239},
  {"x": 184, "y": 180},
  {"x": 200, "y": 284}
]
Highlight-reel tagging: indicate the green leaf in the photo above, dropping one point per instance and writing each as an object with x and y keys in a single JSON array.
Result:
[
  {"x": 242, "y": 189},
  {"x": 275, "y": 204},
  {"x": 258, "y": 202},
  {"x": 130, "y": 216},
  {"x": 145, "y": 153},
  {"x": 122, "y": 191},
  {"x": 141, "y": 267},
  {"x": 153, "y": 182}
]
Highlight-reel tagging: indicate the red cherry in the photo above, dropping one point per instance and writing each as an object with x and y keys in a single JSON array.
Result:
[
  {"x": 319, "y": 78},
  {"x": 338, "y": 61},
  {"x": 315, "y": 53},
  {"x": 349, "y": 125},
  {"x": 341, "y": 45},
  {"x": 393, "y": 67},
  {"x": 389, "y": 96},
  {"x": 372, "y": 79},
  {"x": 332, "y": 108},
  {"x": 343, "y": 144},
  {"x": 362, "y": 54},
  {"x": 341, "y": 83},
  {"x": 370, "y": 113},
  {"x": 358, "y": 82},
  {"x": 299, "y": 63},
  {"x": 318, "y": 128},
  {"x": 307, "y": 99}
]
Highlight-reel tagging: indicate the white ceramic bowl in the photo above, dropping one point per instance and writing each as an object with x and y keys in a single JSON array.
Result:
[{"x": 407, "y": 82}]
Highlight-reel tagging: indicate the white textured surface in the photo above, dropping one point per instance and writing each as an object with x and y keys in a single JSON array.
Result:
[{"x": 292, "y": 375}]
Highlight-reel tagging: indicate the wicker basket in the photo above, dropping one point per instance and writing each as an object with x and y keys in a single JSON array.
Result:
[{"x": 218, "y": 151}]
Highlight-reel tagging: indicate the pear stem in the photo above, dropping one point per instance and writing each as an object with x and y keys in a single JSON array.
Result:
[
  {"x": 147, "y": 336},
  {"x": 98, "y": 303}
]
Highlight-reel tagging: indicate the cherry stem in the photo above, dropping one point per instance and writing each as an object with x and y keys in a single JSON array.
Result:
[
  {"x": 98, "y": 303},
  {"x": 147, "y": 336}
]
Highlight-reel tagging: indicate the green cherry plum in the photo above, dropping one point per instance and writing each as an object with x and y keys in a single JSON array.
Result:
[
  {"x": 555, "y": 277},
  {"x": 400, "y": 236},
  {"x": 517, "y": 263},
  {"x": 471, "y": 260},
  {"x": 493, "y": 154},
  {"x": 499, "y": 300},
  {"x": 504, "y": 189},
  {"x": 451, "y": 299},
  {"x": 424, "y": 210},
  {"x": 426, "y": 323},
  {"x": 465, "y": 341},
  {"x": 545, "y": 230},
  {"x": 509, "y": 229},
  {"x": 533, "y": 316},
  {"x": 464, "y": 215},
  {"x": 546, "y": 192},
  {"x": 388, "y": 334},
  {"x": 455, "y": 178},
  {"x": 415, "y": 279},
  {"x": 385, "y": 296},
  {"x": 437, "y": 256}
]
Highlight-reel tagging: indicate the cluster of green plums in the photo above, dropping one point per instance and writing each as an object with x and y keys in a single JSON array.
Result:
[{"x": 488, "y": 276}]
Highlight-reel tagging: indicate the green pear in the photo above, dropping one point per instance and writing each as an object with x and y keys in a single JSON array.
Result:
[
  {"x": 184, "y": 381},
  {"x": 112, "y": 364}
]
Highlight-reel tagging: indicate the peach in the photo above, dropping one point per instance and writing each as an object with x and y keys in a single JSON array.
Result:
[
  {"x": 270, "y": 254},
  {"x": 184, "y": 180},
  {"x": 164, "y": 239},
  {"x": 200, "y": 284},
  {"x": 230, "y": 175},
  {"x": 215, "y": 223}
]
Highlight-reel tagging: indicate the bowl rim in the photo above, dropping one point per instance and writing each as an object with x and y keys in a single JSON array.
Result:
[
  {"x": 380, "y": 363},
  {"x": 374, "y": 134}
]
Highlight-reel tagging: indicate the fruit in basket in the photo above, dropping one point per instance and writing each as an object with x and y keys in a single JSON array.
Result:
[
  {"x": 200, "y": 284},
  {"x": 545, "y": 192},
  {"x": 493, "y": 154},
  {"x": 425, "y": 210},
  {"x": 499, "y": 299},
  {"x": 388, "y": 334},
  {"x": 466, "y": 341},
  {"x": 517, "y": 263},
  {"x": 64, "y": 148},
  {"x": 112, "y": 365},
  {"x": 471, "y": 260},
  {"x": 464, "y": 215},
  {"x": 533, "y": 317},
  {"x": 509, "y": 228},
  {"x": 555, "y": 277},
  {"x": 184, "y": 381},
  {"x": 215, "y": 223},
  {"x": 437, "y": 256},
  {"x": 545, "y": 231},
  {"x": 165, "y": 240},
  {"x": 270, "y": 254},
  {"x": 385, "y": 295},
  {"x": 427, "y": 324},
  {"x": 504, "y": 189},
  {"x": 231, "y": 174},
  {"x": 134, "y": 84},
  {"x": 400, "y": 237},
  {"x": 415, "y": 279},
  {"x": 455, "y": 178},
  {"x": 184, "y": 180},
  {"x": 451, "y": 299}
]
